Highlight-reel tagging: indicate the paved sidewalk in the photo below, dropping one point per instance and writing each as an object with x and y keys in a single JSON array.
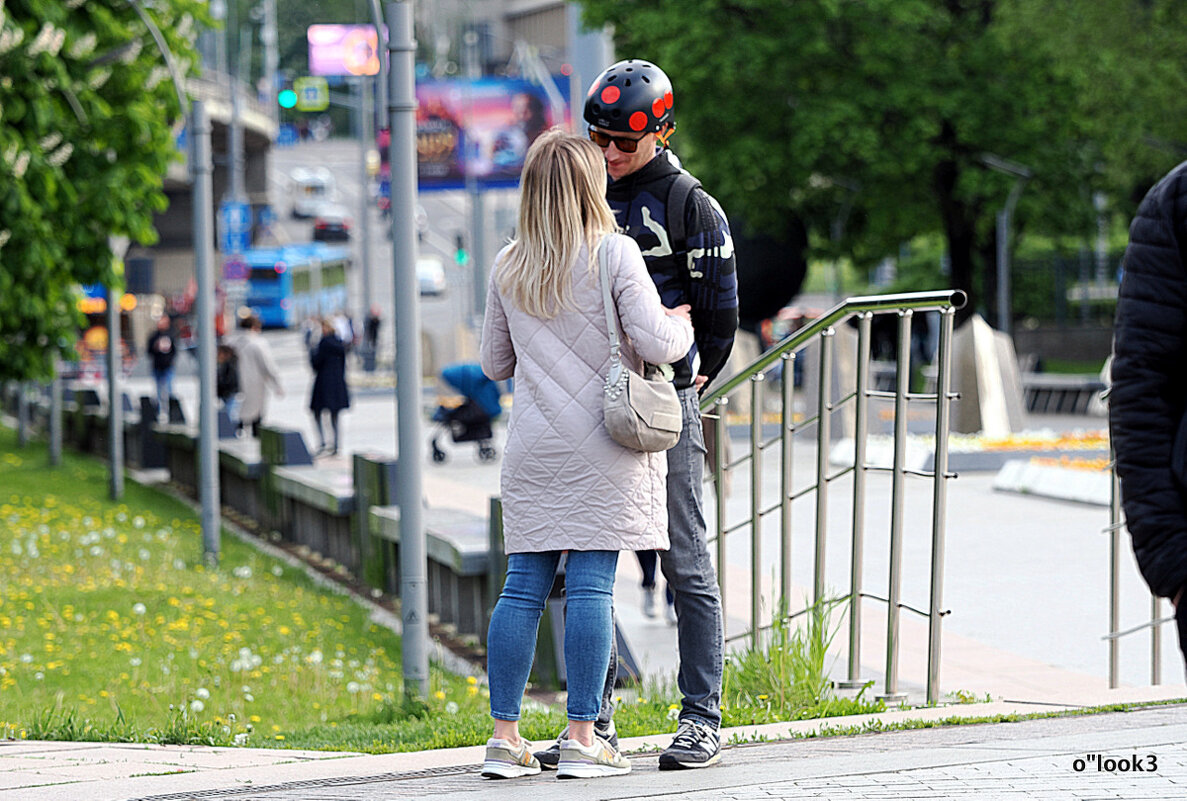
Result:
[{"x": 1077, "y": 757}]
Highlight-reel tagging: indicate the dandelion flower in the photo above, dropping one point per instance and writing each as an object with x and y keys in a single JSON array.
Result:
[
  {"x": 202, "y": 693},
  {"x": 439, "y": 695},
  {"x": 139, "y": 609},
  {"x": 197, "y": 706},
  {"x": 451, "y": 708}
]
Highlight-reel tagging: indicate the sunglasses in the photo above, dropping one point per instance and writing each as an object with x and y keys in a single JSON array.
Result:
[{"x": 624, "y": 143}]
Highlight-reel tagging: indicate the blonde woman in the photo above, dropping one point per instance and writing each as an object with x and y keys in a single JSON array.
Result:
[{"x": 566, "y": 486}]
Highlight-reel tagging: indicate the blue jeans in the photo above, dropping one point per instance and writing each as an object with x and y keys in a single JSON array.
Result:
[
  {"x": 688, "y": 570},
  {"x": 511, "y": 639},
  {"x": 164, "y": 379}
]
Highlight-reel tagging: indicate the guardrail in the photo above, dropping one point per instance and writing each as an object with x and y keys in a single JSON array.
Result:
[{"x": 822, "y": 332}]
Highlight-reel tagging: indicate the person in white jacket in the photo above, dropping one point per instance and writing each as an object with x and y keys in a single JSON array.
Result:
[
  {"x": 566, "y": 485},
  {"x": 257, "y": 375}
]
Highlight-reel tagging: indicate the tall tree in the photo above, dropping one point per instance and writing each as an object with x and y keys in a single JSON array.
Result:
[
  {"x": 87, "y": 114},
  {"x": 872, "y": 121}
]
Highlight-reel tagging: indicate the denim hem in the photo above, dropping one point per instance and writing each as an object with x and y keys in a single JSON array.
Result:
[
  {"x": 584, "y": 718},
  {"x": 714, "y": 725},
  {"x": 501, "y": 716}
]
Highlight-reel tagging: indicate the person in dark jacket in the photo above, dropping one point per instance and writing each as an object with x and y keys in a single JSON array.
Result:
[
  {"x": 1148, "y": 400},
  {"x": 330, "y": 393},
  {"x": 162, "y": 349}
]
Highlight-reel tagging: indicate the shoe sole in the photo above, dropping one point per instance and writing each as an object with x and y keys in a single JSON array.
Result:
[
  {"x": 676, "y": 764},
  {"x": 590, "y": 771},
  {"x": 546, "y": 766},
  {"x": 500, "y": 770}
]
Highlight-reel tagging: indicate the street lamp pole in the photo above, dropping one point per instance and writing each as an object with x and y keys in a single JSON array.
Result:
[
  {"x": 202, "y": 187},
  {"x": 1022, "y": 175},
  {"x": 409, "y": 493}
]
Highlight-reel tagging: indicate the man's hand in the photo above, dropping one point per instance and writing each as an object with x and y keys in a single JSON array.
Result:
[{"x": 700, "y": 381}]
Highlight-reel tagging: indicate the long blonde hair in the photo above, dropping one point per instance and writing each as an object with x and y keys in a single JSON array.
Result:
[{"x": 562, "y": 206}]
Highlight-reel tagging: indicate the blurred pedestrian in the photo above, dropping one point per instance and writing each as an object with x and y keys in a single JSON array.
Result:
[
  {"x": 1148, "y": 398},
  {"x": 330, "y": 394},
  {"x": 648, "y": 561},
  {"x": 371, "y": 328},
  {"x": 566, "y": 485},
  {"x": 162, "y": 349},
  {"x": 258, "y": 375},
  {"x": 227, "y": 381}
]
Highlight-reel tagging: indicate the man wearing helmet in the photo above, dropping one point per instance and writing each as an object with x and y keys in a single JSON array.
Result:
[{"x": 686, "y": 243}]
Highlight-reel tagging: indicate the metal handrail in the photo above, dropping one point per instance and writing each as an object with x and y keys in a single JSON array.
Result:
[
  {"x": 716, "y": 401},
  {"x": 955, "y": 298}
]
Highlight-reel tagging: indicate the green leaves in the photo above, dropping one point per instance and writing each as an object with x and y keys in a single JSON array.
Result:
[{"x": 85, "y": 137}]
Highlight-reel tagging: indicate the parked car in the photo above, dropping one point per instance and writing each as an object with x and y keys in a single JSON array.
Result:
[
  {"x": 430, "y": 275},
  {"x": 331, "y": 223}
]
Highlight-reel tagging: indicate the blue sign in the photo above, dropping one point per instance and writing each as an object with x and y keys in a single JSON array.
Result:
[
  {"x": 234, "y": 226},
  {"x": 287, "y": 135},
  {"x": 235, "y": 269}
]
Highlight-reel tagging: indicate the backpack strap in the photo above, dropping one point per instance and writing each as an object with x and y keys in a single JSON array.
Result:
[{"x": 677, "y": 199}]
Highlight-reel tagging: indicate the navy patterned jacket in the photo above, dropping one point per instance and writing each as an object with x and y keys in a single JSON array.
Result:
[{"x": 699, "y": 271}]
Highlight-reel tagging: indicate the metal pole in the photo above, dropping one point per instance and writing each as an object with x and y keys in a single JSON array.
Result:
[
  {"x": 409, "y": 495},
  {"x": 235, "y": 141},
  {"x": 55, "y": 416},
  {"x": 857, "y": 551},
  {"x": 1003, "y": 272},
  {"x": 719, "y": 436},
  {"x": 823, "y": 437},
  {"x": 115, "y": 407},
  {"x": 201, "y": 172},
  {"x": 382, "y": 77},
  {"x": 1114, "y": 572},
  {"x": 366, "y": 139},
  {"x": 473, "y": 190},
  {"x": 939, "y": 515},
  {"x": 756, "y": 564},
  {"x": 268, "y": 38},
  {"x": 1155, "y": 640},
  {"x": 22, "y": 414},
  {"x": 897, "y": 498},
  {"x": 786, "y": 485}
]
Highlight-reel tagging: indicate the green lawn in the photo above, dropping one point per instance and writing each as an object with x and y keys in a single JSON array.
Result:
[{"x": 111, "y": 628}]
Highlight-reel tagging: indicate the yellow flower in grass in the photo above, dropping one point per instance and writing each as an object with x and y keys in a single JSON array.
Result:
[{"x": 439, "y": 695}]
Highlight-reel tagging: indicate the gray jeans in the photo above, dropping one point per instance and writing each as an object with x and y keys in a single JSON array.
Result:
[{"x": 688, "y": 569}]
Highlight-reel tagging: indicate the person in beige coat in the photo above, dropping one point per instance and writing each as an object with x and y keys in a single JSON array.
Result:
[
  {"x": 566, "y": 485},
  {"x": 257, "y": 375}
]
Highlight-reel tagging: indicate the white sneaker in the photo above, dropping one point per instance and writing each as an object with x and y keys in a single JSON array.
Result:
[
  {"x": 649, "y": 601},
  {"x": 599, "y": 759},
  {"x": 504, "y": 761}
]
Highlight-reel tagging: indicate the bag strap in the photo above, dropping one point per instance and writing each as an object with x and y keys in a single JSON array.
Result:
[
  {"x": 608, "y": 305},
  {"x": 678, "y": 194}
]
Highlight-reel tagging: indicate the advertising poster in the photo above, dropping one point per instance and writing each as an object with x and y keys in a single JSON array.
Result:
[
  {"x": 343, "y": 50},
  {"x": 482, "y": 127}
]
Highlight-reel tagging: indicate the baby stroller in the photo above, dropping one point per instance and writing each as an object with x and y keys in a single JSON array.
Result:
[{"x": 470, "y": 421}]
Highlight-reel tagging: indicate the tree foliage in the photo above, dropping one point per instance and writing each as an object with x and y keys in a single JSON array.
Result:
[
  {"x": 86, "y": 115},
  {"x": 871, "y": 121}
]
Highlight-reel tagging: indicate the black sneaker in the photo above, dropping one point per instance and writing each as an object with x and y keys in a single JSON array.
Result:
[
  {"x": 550, "y": 757},
  {"x": 696, "y": 745}
]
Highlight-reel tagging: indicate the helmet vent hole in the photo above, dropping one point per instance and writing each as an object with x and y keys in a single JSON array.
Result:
[
  {"x": 627, "y": 82},
  {"x": 610, "y": 78},
  {"x": 645, "y": 79}
]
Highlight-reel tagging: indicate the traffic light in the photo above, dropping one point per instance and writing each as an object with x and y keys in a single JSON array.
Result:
[
  {"x": 461, "y": 256},
  {"x": 287, "y": 98}
]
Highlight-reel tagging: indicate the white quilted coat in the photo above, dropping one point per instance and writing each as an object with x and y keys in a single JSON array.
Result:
[{"x": 565, "y": 484}]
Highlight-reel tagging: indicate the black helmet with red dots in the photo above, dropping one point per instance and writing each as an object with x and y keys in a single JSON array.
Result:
[{"x": 632, "y": 95}]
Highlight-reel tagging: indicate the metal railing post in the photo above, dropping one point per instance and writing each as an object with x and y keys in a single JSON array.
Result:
[
  {"x": 823, "y": 437},
  {"x": 939, "y": 515},
  {"x": 719, "y": 431},
  {"x": 756, "y": 404},
  {"x": 787, "y": 443},
  {"x": 1114, "y": 573},
  {"x": 897, "y": 492},
  {"x": 1155, "y": 640},
  {"x": 857, "y": 551}
]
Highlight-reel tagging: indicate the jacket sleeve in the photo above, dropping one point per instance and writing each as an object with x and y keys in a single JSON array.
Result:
[
  {"x": 655, "y": 336},
  {"x": 1148, "y": 398},
  {"x": 268, "y": 366},
  {"x": 714, "y": 282},
  {"x": 496, "y": 353}
]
